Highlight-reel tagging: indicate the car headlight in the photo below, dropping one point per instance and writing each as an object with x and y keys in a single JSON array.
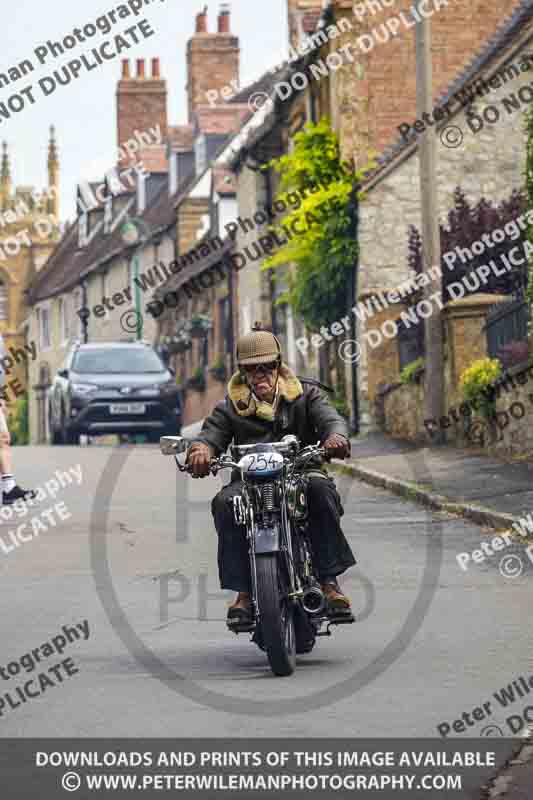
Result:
[
  {"x": 84, "y": 388},
  {"x": 169, "y": 386},
  {"x": 149, "y": 390}
]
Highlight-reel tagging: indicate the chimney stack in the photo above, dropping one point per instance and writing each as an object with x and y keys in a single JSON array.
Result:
[
  {"x": 213, "y": 61},
  {"x": 298, "y": 12},
  {"x": 201, "y": 21},
  {"x": 224, "y": 18},
  {"x": 141, "y": 103}
]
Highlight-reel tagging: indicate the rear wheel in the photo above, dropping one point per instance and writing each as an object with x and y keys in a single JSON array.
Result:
[{"x": 276, "y": 616}]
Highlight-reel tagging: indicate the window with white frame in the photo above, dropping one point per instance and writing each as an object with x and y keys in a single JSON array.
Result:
[
  {"x": 83, "y": 229},
  {"x": 200, "y": 153},
  {"x": 44, "y": 327},
  {"x": 108, "y": 213},
  {"x": 64, "y": 328}
]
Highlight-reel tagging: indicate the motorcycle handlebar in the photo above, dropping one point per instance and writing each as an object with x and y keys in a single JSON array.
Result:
[{"x": 224, "y": 462}]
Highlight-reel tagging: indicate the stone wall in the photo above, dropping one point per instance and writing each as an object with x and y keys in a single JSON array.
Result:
[
  {"x": 487, "y": 164},
  {"x": 510, "y": 434}
]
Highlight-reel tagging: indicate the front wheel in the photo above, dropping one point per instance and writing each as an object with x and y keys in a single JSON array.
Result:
[{"x": 276, "y": 616}]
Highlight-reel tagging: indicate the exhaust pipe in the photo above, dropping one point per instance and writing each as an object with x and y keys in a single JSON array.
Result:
[{"x": 313, "y": 601}]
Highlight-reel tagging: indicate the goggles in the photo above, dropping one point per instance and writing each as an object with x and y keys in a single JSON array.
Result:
[{"x": 253, "y": 369}]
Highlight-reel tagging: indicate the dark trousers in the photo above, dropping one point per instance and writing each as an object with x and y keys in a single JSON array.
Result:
[{"x": 332, "y": 553}]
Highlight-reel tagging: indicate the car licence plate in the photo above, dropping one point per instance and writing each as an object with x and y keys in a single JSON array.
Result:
[{"x": 127, "y": 408}]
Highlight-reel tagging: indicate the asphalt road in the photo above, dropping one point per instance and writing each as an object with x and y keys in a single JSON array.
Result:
[{"x": 433, "y": 641}]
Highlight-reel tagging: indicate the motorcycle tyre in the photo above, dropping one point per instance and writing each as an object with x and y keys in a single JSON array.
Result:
[{"x": 277, "y": 619}]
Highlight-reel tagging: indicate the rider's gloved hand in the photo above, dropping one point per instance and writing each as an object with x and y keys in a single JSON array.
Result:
[
  {"x": 199, "y": 457},
  {"x": 337, "y": 446}
]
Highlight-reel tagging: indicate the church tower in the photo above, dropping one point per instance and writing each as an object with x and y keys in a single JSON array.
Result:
[
  {"x": 5, "y": 179},
  {"x": 53, "y": 176}
]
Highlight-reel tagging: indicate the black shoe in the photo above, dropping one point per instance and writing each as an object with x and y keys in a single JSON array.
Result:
[
  {"x": 16, "y": 493},
  {"x": 240, "y": 613}
]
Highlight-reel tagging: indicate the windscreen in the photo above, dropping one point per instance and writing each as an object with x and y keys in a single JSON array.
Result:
[{"x": 117, "y": 360}]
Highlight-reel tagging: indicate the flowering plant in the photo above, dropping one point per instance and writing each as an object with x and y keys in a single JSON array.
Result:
[{"x": 476, "y": 384}]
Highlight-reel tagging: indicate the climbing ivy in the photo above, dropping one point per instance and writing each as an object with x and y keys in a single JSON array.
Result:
[{"x": 324, "y": 253}]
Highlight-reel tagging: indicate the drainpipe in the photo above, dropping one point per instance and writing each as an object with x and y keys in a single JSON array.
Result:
[
  {"x": 230, "y": 331},
  {"x": 85, "y": 320},
  {"x": 271, "y": 282},
  {"x": 354, "y": 274},
  {"x": 138, "y": 316}
]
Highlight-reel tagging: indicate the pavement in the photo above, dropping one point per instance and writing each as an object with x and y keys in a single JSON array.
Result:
[
  {"x": 484, "y": 490},
  {"x": 470, "y": 484}
]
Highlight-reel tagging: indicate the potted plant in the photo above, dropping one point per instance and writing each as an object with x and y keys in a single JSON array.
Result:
[
  {"x": 197, "y": 380},
  {"x": 199, "y": 326},
  {"x": 218, "y": 369},
  {"x": 179, "y": 343}
]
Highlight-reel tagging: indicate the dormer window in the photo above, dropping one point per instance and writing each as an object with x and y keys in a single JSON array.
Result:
[
  {"x": 200, "y": 154},
  {"x": 108, "y": 213},
  {"x": 173, "y": 174},
  {"x": 141, "y": 191},
  {"x": 83, "y": 228}
]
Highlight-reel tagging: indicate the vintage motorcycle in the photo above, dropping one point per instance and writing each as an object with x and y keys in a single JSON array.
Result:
[{"x": 289, "y": 609}]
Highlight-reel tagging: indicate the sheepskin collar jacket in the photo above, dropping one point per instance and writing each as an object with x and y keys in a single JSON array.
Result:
[{"x": 300, "y": 408}]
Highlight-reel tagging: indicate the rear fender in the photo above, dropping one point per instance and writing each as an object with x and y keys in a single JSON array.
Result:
[{"x": 267, "y": 539}]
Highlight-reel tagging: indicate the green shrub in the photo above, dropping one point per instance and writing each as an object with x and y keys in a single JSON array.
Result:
[
  {"x": 412, "y": 371},
  {"x": 476, "y": 383},
  {"x": 341, "y": 406},
  {"x": 18, "y": 422}
]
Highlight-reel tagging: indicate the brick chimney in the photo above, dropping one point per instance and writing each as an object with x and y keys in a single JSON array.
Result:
[
  {"x": 141, "y": 101},
  {"x": 213, "y": 59},
  {"x": 303, "y": 16}
]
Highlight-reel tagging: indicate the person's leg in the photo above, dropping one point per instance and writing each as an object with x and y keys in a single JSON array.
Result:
[
  {"x": 6, "y": 464},
  {"x": 331, "y": 552},
  {"x": 10, "y": 491},
  {"x": 233, "y": 559}
]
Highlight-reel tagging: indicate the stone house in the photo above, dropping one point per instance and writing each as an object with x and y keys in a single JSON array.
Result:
[
  {"x": 133, "y": 226},
  {"x": 367, "y": 97},
  {"x": 371, "y": 97},
  {"x": 487, "y": 103}
]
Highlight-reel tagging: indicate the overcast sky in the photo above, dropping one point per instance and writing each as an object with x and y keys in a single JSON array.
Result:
[{"x": 84, "y": 112}]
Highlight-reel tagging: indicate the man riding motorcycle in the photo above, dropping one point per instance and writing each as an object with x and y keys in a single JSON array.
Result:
[{"x": 265, "y": 402}]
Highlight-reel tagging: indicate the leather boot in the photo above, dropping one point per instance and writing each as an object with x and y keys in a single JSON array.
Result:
[
  {"x": 241, "y": 610},
  {"x": 337, "y": 602}
]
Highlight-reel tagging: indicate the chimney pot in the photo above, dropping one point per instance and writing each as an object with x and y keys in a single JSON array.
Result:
[
  {"x": 140, "y": 68},
  {"x": 201, "y": 21},
  {"x": 156, "y": 72},
  {"x": 125, "y": 68},
  {"x": 224, "y": 18}
]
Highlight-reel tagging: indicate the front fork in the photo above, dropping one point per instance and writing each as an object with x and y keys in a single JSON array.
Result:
[{"x": 244, "y": 515}]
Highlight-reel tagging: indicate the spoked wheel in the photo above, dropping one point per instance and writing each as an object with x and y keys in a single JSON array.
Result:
[{"x": 276, "y": 616}]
